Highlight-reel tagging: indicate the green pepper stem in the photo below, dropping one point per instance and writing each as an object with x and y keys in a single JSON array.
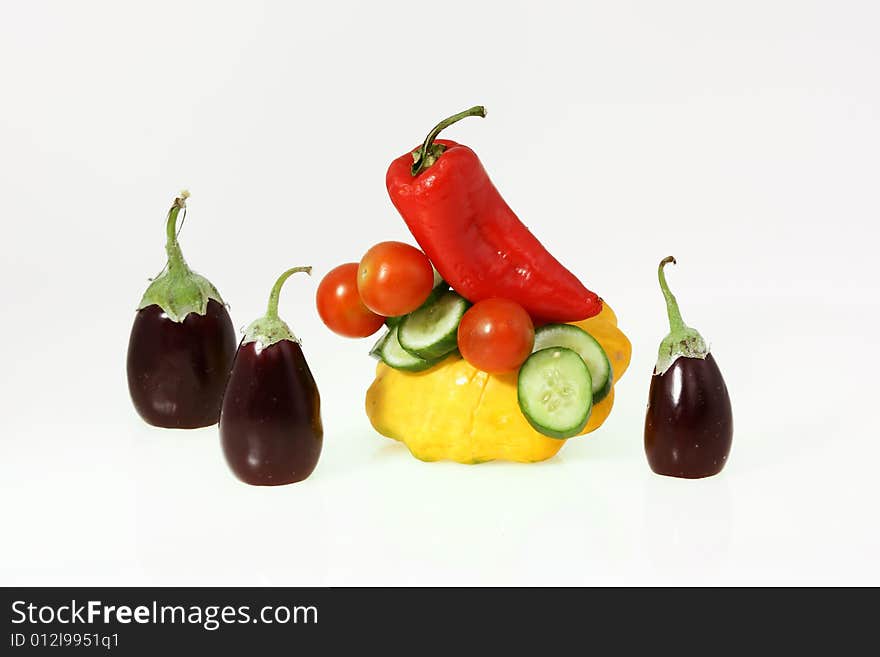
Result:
[
  {"x": 423, "y": 157},
  {"x": 272, "y": 310},
  {"x": 172, "y": 246},
  {"x": 676, "y": 323}
]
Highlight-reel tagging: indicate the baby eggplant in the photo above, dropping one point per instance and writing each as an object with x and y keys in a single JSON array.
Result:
[
  {"x": 689, "y": 424},
  {"x": 270, "y": 422},
  {"x": 182, "y": 343}
]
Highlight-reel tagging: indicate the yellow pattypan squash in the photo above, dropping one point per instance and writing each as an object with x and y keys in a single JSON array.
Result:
[{"x": 456, "y": 412}]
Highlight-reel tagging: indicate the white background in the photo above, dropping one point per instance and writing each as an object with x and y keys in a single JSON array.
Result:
[{"x": 743, "y": 138}]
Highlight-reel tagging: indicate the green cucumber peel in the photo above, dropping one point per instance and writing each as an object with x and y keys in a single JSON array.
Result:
[
  {"x": 270, "y": 328},
  {"x": 440, "y": 286},
  {"x": 682, "y": 339},
  {"x": 178, "y": 290}
]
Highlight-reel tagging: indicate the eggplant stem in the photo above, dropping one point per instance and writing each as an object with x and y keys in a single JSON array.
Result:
[
  {"x": 272, "y": 310},
  {"x": 682, "y": 339},
  {"x": 172, "y": 246},
  {"x": 676, "y": 323}
]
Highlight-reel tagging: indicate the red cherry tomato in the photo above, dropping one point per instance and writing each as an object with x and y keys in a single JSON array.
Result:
[
  {"x": 496, "y": 335},
  {"x": 340, "y": 305},
  {"x": 394, "y": 278}
]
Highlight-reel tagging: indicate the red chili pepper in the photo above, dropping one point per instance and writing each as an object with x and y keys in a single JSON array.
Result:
[{"x": 474, "y": 239}]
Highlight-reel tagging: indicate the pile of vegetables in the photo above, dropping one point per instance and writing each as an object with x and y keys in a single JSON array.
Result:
[{"x": 492, "y": 348}]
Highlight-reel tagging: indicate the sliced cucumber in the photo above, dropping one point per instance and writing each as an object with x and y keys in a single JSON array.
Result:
[
  {"x": 376, "y": 351},
  {"x": 555, "y": 392},
  {"x": 389, "y": 351},
  {"x": 577, "y": 339},
  {"x": 440, "y": 286},
  {"x": 431, "y": 331}
]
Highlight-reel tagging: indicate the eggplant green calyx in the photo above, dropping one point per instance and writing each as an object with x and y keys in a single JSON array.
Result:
[
  {"x": 270, "y": 328},
  {"x": 178, "y": 290},
  {"x": 682, "y": 339}
]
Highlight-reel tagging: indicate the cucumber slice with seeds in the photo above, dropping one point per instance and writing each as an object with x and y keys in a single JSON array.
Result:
[
  {"x": 577, "y": 339},
  {"x": 389, "y": 351},
  {"x": 431, "y": 332},
  {"x": 555, "y": 392}
]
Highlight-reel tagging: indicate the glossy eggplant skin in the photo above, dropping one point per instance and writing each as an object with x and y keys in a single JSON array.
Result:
[
  {"x": 177, "y": 370},
  {"x": 689, "y": 424},
  {"x": 270, "y": 424}
]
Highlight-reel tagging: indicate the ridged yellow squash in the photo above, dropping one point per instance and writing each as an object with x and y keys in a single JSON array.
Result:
[{"x": 456, "y": 412}]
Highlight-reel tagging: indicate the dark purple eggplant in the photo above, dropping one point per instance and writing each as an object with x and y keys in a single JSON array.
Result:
[
  {"x": 182, "y": 343},
  {"x": 689, "y": 423},
  {"x": 270, "y": 423}
]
